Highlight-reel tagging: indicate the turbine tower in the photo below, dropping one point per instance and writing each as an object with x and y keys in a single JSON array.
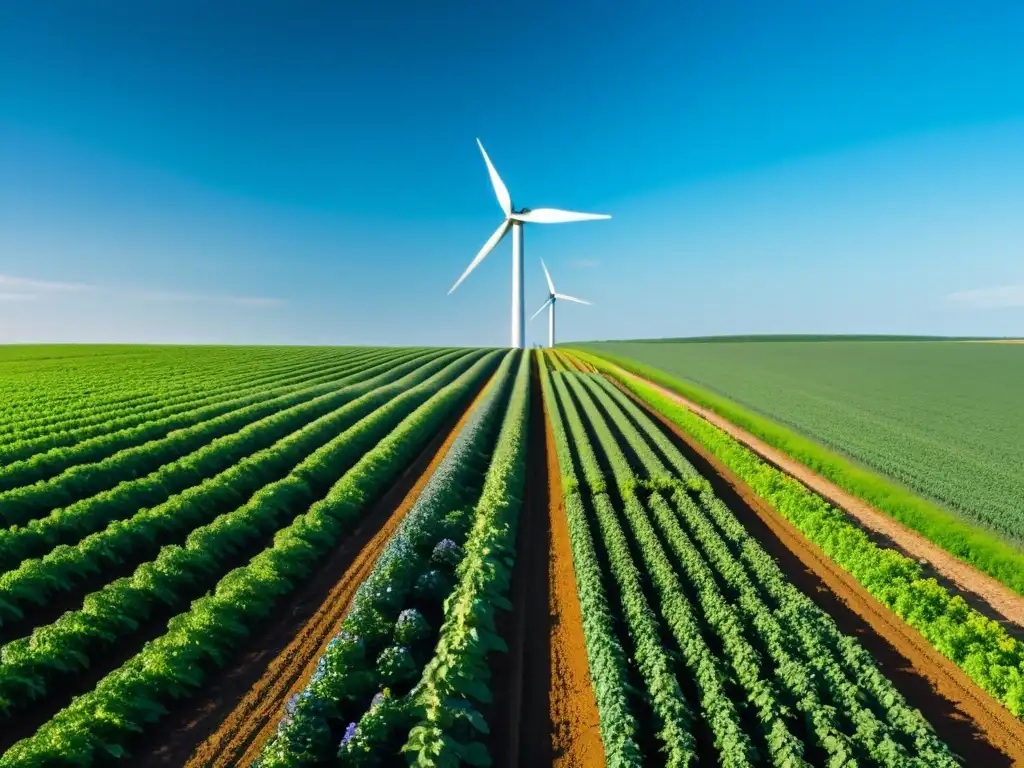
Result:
[
  {"x": 553, "y": 296},
  {"x": 514, "y": 220}
]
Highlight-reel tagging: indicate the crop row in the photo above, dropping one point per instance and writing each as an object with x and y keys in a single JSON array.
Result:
[
  {"x": 393, "y": 621},
  {"x": 201, "y": 639},
  {"x": 978, "y": 645},
  {"x": 49, "y": 399},
  {"x": 455, "y": 681},
  {"x": 30, "y": 666},
  {"x": 134, "y": 489},
  {"x": 56, "y": 432},
  {"x": 301, "y": 429},
  {"x": 19, "y": 505},
  {"x": 669, "y": 560},
  {"x": 34, "y": 460}
]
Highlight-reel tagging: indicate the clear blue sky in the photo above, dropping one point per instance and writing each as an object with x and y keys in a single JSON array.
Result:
[{"x": 306, "y": 172}]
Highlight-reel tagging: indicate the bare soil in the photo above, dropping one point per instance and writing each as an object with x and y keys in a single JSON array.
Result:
[
  {"x": 978, "y": 588},
  {"x": 971, "y": 722},
  {"x": 241, "y": 707},
  {"x": 522, "y": 677}
]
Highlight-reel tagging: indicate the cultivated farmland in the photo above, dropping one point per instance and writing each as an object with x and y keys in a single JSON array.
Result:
[
  {"x": 944, "y": 418},
  {"x": 380, "y": 556}
]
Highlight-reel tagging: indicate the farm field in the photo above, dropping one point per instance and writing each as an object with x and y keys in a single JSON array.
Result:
[
  {"x": 942, "y": 418},
  {"x": 380, "y": 556}
]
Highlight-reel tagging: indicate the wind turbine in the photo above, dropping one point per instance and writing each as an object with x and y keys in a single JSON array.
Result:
[
  {"x": 514, "y": 220},
  {"x": 553, "y": 296}
]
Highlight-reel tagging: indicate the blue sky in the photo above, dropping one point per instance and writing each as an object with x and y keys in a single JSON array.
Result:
[{"x": 273, "y": 172}]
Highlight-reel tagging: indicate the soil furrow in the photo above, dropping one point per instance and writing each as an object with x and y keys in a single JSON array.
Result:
[
  {"x": 239, "y": 710},
  {"x": 572, "y": 706},
  {"x": 974, "y": 724}
]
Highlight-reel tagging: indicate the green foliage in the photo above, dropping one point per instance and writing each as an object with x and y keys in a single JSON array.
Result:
[
  {"x": 606, "y": 658},
  {"x": 976, "y": 644},
  {"x": 945, "y": 445},
  {"x": 343, "y": 678},
  {"x": 455, "y": 679},
  {"x": 175, "y": 664},
  {"x": 82, "y": 480},
  {"x": 36, "y": 581}
]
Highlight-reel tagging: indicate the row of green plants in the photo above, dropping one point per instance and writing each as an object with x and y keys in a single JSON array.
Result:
[
  {"x": 455, "y": 682},
  {"x": 673, "y": 715},
  {"x": 48, "y": 399},
  {"x": 391, "y": 628},
  {"x": 25, "y": 439},
  {"x": 30, "y": 666},
  {"x": 734, "y": 746},
  {"x": 30, "y": 462},
  {"x": 985, "y": 550},
  {"x": 978, "y": 645},
  {"x": 236, "y": 466},
  {"x": 101, "y": 722},
  {"x": 851, "y": 673},
  {"x": 891, "y": 733},
  {"x": 606, "y": 657},
  {"x": 762, "y": 692},
  {"x": 187, "y": 475},
  {"x": 796, "y": 626},
  {"x": 22, "y": 504}
]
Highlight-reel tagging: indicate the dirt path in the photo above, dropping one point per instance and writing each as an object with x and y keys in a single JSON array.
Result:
[
  {"x": 522, "y": 677},
  {"x": 974, "y": 724},
  {"x": 572, "y": 707},
  {"x": 240, "y": 710},
  {"x": 1002, "y": 602}
]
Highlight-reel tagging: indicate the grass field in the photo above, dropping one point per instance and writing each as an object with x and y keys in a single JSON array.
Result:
[
  {"x": 943, "y": 418},
  {"x": 227, "y": 557}
]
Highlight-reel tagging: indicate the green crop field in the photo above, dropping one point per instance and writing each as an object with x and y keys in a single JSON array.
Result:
[
  {"x": 294, "y": 556},
  {"x": 946, "y": 419}
]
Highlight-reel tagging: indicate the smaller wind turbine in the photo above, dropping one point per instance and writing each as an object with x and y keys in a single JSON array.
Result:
[{"x": 553, "y": 296}]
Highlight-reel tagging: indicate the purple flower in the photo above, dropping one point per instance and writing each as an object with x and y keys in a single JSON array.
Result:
[
  {"x": 447, "y": 552},
  {"x": 349, "y": 733},
  {"x": 293, "y": 701}
]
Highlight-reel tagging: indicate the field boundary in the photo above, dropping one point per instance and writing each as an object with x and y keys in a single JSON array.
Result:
[{"x": 963, "y": 542}]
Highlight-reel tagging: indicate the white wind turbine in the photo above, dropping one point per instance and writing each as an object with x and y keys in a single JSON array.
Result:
[
  {"x": 514, "y": 220},
  {"x": 553, "y": 296}
]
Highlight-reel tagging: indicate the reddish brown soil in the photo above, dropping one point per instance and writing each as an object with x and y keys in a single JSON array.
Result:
[
  {"x": 965, "y": 717},
  {"x": 572, "y": 707},
  {"x": 994, "y": 598},
  {"x": 240, "y": 709}
]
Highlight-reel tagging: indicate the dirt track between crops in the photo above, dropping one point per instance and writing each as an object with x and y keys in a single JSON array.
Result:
[
  {"x": 545, "y": 712},
  {"x": 982, "y": 591},
  {"x": 974, "y": 724},
  {"x": 572, "y": 707},
  {"x": 241, "y": 707}
]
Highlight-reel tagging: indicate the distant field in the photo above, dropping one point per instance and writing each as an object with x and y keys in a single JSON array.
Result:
[{"x": 944, "y": 418}]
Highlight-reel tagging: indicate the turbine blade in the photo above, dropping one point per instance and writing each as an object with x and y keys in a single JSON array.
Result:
[
  {"x": 542, "y": 308},
  {"x": 547, "y": 274},
  {"x": 488, "y": 247},
  {"x": 571, "y": 298},
  {"x": 504, "y": 199},
  {"x": 555, "y": 216}
]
